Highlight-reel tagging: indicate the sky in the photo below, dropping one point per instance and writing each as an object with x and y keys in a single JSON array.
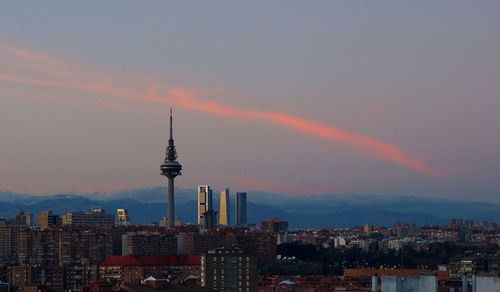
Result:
[{"x": 291, "y": 97}]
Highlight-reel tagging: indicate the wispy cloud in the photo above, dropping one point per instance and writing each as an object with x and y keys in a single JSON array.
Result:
[
  {"x": 115, "y": 106},
  {"x": 130, "y": 90},
  {"x": 29, "y": 55}
]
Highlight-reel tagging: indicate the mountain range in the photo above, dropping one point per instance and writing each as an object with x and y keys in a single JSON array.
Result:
[{"x": 313, "y": 211}]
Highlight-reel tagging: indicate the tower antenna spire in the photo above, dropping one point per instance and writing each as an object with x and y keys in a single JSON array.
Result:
[{"x": 171, "y": 135}]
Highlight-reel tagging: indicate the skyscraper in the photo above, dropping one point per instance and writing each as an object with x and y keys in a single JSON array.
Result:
[
  {"x": 224, "y": 207},
  {"x": 123, "y": 217},
  {"x": 171, "y": 168},
  {"x": 204, "y": 202},
  {"x": 241, "y": 209},
  {"x": 47, "y": 219}
]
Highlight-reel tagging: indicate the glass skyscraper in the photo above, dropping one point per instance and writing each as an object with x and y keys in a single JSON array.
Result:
[{"x": 241, "y": 209}]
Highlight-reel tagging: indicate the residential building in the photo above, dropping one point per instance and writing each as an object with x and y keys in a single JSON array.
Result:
[
  {"x": 46, "y": 219},
  {"x": 274, "y": 225},
  {"x": 133, "y": 269},
  {"x": 144, "y": 244},
  {"x": 98, "y": 217},
  {"x": 229, "y": 270},
  {"x": 123, "y": 216}
]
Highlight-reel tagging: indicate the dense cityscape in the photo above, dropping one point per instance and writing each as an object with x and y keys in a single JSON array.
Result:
[
  {"x": 250, "y": 146},
  {"x": 83, "y": 251}
]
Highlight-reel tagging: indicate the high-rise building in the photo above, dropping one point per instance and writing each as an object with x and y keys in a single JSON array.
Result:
[
  {"x": 224, "y": 208},
  {"x": 210, "y": 219},
  {"x": 274, "y": 225},
  {"x": 47, "y": 219},
  {"x": 171, "y": 168},
  {"x": 7, "y": 243},
  {"x": 204, "y": 202},
  {"x": 21, "y": 218},
  {"x": 123, "y": 217},
  {"x": 241, "y": 209},
  {"x": 91, "y": 246},
  {"x": 98, "y": 217},
  {"x": 229, "y": 270}
]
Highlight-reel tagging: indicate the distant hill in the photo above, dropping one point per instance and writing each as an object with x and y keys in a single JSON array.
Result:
[{"x": 320, "y": 211}]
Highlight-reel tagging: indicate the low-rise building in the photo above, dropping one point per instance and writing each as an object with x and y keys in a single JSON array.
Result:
[{"x": 133, "y": 269}]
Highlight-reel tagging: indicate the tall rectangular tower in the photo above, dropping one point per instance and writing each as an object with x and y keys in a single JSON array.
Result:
[
  {"x": 241, "y": 209},
  {"x": 204, "y": 202},
  {"x": 224, "y": 207}
]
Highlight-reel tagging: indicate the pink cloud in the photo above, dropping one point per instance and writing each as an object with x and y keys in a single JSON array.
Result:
[
  {"x": 375, "y": 147},
  {"x": 115, "y": 106},
  {"x": 29, "y": 55},
  {"x": 89, "y": 80}
]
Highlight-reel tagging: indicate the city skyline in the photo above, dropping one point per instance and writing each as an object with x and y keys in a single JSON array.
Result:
[
  {"x": 319, "y": 146},
  {"x": 361, "y": 105}
]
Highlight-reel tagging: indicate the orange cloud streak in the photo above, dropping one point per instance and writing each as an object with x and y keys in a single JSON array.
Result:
[
  {"x": 377, "y": 148},
  {"x": 88, "y": 82},
  {"x": 115, "y": 106}
]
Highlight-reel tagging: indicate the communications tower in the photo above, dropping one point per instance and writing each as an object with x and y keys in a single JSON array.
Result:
[{"x": 171, "y": 168}]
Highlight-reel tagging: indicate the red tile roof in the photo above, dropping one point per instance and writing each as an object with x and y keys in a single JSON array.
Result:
[{"x": 190, "y": 260}]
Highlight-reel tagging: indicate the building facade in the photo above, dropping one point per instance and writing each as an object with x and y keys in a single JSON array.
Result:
[
  {"x": 204, "y": 202},
  {"x": 144, "y": 244},
  {"x": 123, "y": 216},
  {"x": 241, "y": 209},
  {"x": 46, "y": 219},
  {"x": 229, "y": 270},
  {"x": 98, "y": 217},
  {"x": 224, "y": 208},
  {"x": 274, "y": 225}
]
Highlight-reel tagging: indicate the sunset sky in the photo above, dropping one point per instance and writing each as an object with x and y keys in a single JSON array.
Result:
[{"x": 292, "y": 97}]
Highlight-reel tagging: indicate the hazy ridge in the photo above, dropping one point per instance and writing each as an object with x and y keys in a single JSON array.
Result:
[{"x": 329, "y": 210}]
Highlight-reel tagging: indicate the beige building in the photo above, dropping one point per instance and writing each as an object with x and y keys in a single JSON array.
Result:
[
  {"x": 224, "y": 208},
  {"x": 47, "y": 219}
]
